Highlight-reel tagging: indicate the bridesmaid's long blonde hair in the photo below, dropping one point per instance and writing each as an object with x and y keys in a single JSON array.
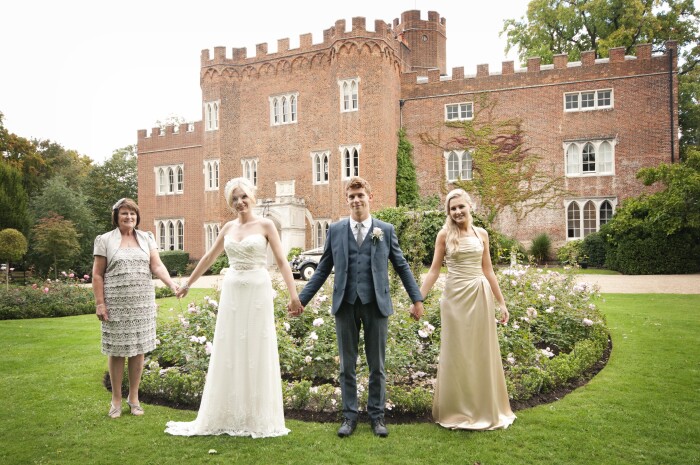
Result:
[{"x": 451, "y": 228}]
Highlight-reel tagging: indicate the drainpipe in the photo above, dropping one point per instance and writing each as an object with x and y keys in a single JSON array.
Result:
[{"x": 670, "y": 100}]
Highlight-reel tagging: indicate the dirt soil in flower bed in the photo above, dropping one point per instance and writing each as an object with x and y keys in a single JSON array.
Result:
[{"x": 396, "y": 417}]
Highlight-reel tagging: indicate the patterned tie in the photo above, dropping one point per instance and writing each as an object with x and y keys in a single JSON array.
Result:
[{"x": 359, "y": 236}]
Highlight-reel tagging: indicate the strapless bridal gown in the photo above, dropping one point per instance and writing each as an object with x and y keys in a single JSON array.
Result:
[{"x": 243, "y": 390}]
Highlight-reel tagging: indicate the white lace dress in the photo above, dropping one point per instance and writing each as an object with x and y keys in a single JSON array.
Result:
[
  {"x": 130, "y": 299},
  {"x": 243, "y": 390}
]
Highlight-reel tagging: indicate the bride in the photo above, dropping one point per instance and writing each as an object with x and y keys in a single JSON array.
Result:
[{"x": 243, "y": 390}]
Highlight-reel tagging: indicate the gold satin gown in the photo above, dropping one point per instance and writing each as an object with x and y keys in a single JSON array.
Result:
[{"x": 470, "y": 392}]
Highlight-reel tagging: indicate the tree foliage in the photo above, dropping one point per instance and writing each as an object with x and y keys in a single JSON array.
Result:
[
  {"x": 58, "y": 198},
  {"x": 56, "y": 238},
  {"x": 13, "y": 199},
  {"x": 660, "y": 232},
  {"x": 406, "y": 182},
  {"x": 553, "y": 27},
  {"x": 116, "y": 178},
  {"x": 13, "y": 246},
  {"x": 505, "y": 173}
]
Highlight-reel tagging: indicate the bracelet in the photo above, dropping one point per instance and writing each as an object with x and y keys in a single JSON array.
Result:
[
  {"x": 100, "y": 305},
  {"x": 185, "y": 286}
]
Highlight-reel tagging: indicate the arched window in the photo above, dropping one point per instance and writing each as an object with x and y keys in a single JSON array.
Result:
[
  {"x": 161, "y": 236},
  {"x": 466, "y": 171},
  {"x": 171, "y": 235},
  {"x": 171, "y": 180},
  {"x": 180, "y": 236},
  {"x": 216, "y": 174},
  {"x": 180, "y": 179},
  {"x": 588, "y": 158},
  {"x": 346, "y": 96},
  {"x": 605, "y": 158},
  {"x": 276, "y": 110},
  {"x": 452, "y": 167},
  {"x": 285, "y": 110},
  {"x": 572, "y": 161},
  {"x": 293, "y": 105},
  {"x": 319, "y": 234},
  {"x": 354, "y": 95},
  {"x": 573, "y": 221},
  {"x": 161, "y": 181},
  {"x": 606, "y": 212},
  {"x": 589, "y": 218}
]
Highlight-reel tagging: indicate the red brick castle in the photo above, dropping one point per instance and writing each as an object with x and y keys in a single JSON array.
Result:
[{"x": 299, "y": 122}]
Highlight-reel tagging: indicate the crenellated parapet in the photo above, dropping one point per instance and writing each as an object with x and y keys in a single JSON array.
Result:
[
  {"x": 386, "y": 40},
  {"x": 535, "y": 73},
  {"x": 180, "y": 136}
]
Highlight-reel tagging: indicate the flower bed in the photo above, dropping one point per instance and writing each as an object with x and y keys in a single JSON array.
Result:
[
  {"x": 555, "y": 334},
  {"x": 51, "y": 298}
]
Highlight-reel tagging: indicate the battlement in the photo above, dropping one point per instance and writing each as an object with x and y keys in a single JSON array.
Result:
[
  {"x": 358, "y": 29},
  {"x": 644, "y": 60},
  {"x": 185, "y": 134}
]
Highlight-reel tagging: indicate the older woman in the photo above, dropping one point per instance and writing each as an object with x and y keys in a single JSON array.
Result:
[{"x": 125, "y": 258}]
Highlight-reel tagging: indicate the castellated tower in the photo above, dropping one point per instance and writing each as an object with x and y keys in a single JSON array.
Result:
[
  {"x": 426, "y": 40},
  {"x": 303, "y": 120}
]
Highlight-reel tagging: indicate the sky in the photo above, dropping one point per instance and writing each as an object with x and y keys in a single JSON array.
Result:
[{"x": 89, "y": 74}]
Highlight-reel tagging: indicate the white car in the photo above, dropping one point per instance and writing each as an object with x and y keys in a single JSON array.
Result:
[{"x": 304, "y": 264}]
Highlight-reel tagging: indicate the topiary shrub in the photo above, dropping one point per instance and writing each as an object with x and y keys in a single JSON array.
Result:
[
  {"x": 175, "y": 261},
  {"x": 541, "y": 248}
]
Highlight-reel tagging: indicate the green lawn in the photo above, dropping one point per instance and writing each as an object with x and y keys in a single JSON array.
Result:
[{"x": 641, "y": 409}]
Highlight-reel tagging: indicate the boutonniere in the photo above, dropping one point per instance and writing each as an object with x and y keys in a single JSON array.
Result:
[{"x": 377, "y": 235}]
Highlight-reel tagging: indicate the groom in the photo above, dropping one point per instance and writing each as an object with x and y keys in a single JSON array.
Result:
[{"x": 360, "y": 248}]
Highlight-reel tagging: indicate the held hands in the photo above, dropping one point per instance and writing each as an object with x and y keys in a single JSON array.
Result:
[
  {"x": 416, "y": 310},
  {"x": 181, "y": 291},
  {"x": 294, "y": 307}
]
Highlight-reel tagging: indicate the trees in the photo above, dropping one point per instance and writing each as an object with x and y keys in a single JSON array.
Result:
[
  {"x": 505, "y": 173},
  {"x": 13, "y": 199},
  {"x": 659, "y": 233},
  {"x": 114, "y": 179},
  {"x": 406, "y": 183},
  {"x": 573, "y": 26},
  {"x": 57, "y": 198},
  {"x": 13, "y": 246},
  {"x": 56, "y": 238}
]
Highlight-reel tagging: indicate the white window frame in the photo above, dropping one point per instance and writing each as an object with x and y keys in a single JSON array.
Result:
[
  {"x": 350, "y": 160},
  {"x": 170, "y": 179},
  {"x": 211, "y": 174},
  {"x": 249, "y": 169},
  {"x": 583, "y": 225},
  {"x": 211, "y": 115},
  {"x": 211, "y": 232},
  {"x": 462, "y": 111},
  {"x": 320, "y": 162},
  {"x": 349, "y": 94},
  {"x": 284, "y": 108},
  {"x": 574, "y": 101},
  {"x": 464, "y": 161},
  {"x": 577, "y": 162},
  {"x": 320, "y": 231},
  {"x": 170, "y": 231}
]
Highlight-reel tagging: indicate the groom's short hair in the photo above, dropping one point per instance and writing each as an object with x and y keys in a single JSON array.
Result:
[{"x": 357, "y": 182}]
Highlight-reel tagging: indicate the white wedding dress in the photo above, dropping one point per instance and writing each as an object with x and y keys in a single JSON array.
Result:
[{"x": 243, "y": 390}]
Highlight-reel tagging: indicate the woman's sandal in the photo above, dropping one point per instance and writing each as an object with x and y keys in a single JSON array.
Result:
[
  {"x": 136, "y": 409},
  {"x": 114, "y": 412}
]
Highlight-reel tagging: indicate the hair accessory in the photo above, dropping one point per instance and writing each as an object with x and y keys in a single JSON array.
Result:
[{"x": 119, "y": 203}]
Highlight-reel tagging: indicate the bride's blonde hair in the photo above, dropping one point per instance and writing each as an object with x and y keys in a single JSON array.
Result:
[{"x": 451, "y": 228}]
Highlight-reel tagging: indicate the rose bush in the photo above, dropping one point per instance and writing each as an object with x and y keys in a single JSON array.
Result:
[{"x": 556, "y": 333}]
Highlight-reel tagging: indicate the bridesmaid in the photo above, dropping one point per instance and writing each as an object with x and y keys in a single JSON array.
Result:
[{"x": 470, "y": 392}]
